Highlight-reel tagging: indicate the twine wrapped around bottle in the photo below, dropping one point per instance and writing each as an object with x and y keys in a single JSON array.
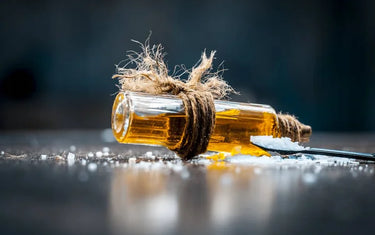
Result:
[{"x": 150, "y": 75}]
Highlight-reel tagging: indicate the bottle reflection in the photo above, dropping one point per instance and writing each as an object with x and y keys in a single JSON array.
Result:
[
  {"x": 142, "y": 202},
  {"x": 213, "y": 198},
  {"x": 238, "y": 195}
]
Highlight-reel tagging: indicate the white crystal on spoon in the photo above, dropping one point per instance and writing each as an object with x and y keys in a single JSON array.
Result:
[{"x": 283, "y": 143}]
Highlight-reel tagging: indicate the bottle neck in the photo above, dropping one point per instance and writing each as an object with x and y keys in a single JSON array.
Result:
[{"x": 144, "y": 119}]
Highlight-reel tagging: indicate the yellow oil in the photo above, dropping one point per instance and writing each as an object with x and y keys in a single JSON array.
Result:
[{"x": 231, "y": 134}]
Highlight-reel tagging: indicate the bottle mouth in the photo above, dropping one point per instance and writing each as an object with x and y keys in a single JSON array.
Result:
[{"x": 121, "y": 116}]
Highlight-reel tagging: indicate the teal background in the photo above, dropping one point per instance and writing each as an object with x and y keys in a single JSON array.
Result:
[{"x": 314, "y": 59}]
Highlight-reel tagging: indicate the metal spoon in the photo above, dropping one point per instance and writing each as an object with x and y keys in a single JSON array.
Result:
[{"x": 320, "y": 151}]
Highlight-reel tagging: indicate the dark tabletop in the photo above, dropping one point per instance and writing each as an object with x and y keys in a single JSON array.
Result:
[{"x": 82, "y": 182}]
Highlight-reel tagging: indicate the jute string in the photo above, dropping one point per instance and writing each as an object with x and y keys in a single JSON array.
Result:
[
  {"x": 150, "y": 75},
  {"x": 290, "y": 127}
]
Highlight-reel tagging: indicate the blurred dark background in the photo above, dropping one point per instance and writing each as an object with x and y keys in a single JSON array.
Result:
[{"x": 315, "y": 59}]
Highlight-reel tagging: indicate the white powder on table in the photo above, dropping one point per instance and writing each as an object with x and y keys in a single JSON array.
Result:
[
  {"x": 99, "y": 154},
  {"x": 150, "y": 155},
  {"x": 132, "y": 161},
  {"x": 71, "y": 158}
]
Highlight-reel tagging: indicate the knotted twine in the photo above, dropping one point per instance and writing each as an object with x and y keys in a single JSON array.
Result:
[{"x": 150, "y": 75}]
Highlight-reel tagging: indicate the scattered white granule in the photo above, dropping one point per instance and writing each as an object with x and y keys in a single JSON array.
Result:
[
  {"x": 99, "y": 154},
  {"x": 150, "y": 155},
  {"x": 2, "y": 152},
  {"x": 43, "y": 157},
  {"x": 92, "y": 166},
  {"x": 105, "y": 154},
  {"x": 90, "y": 154},
  {"x": 132, "y": 161},
  {"x": 149, "y": 166},
  {"x": 83, "y": 162},
  {"x": 176, "y": 156},
  {"x": 72, "y": 148},
  {"x": 71, "y": 158},
  {"x": 202, "y": 161},
  {"x": 105, "y": 149},
  {"x": 283, "y": 143}
]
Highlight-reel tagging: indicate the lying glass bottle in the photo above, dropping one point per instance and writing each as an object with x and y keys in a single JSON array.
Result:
[{"x": 140, "y": 118}]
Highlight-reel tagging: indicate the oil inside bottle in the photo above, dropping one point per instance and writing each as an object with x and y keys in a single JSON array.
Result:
[{"x": 231, "y": 134}]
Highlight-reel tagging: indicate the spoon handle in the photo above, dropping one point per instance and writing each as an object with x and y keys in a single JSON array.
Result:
[
  {"x": 340, "y": 153},
  {"x": 326, "y": 152}
]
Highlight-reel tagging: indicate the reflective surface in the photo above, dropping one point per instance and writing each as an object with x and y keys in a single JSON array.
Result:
[{"x": 82, "y": 182}]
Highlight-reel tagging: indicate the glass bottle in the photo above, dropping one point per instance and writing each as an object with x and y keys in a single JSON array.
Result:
[{"x": 140, "y": 118}]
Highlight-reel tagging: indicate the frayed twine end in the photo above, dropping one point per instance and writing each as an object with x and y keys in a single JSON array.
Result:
[{"x": 147, "y": 72}]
